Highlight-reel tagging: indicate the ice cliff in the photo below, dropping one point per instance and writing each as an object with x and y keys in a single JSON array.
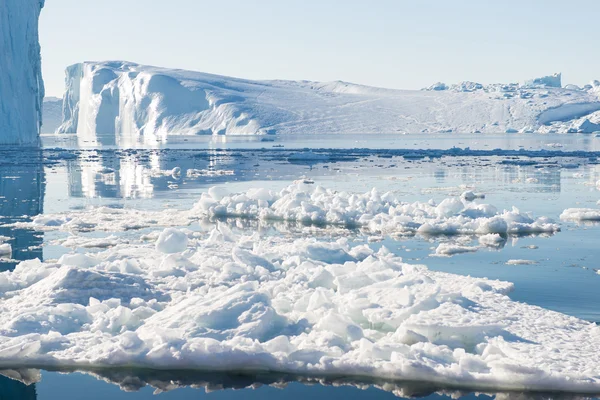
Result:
[
  {"x": 131, "y": 101},
  {"x": 21, "y": 84}
]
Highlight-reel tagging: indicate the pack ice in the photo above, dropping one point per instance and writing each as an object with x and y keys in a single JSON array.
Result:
[
  {"x": 21, "y": 84},
  {"x": 225, "y": 302},
  {"x": 311, "y": 204},
  {"x": 213, "y": 299},
  {"x": 131, "y": 101}
]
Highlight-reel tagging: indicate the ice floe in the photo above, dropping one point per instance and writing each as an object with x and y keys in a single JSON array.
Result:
[
  {"x": 229, "y": 303},
  {"x": 309, "y": 204},
  {"x": 581, "y": 214}
]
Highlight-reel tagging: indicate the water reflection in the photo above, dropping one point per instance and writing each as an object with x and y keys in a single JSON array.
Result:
[
  {"x": 145, "y": 173},
  {"x": 130, "y": 381},
  {"x": 14, "y": 387},
  {"x": 22, "y": 189}
]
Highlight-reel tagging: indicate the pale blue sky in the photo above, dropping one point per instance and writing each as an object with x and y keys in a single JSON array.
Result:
[{"x": 389, "y": 43}]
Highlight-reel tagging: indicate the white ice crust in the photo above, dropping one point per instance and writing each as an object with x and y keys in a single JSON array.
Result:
[
  {"x": 21, "y": 84},
  {"x": 131, "y": 101},
  {"x": 581, "y": 214},
  {"x": 230, "y": 303}
]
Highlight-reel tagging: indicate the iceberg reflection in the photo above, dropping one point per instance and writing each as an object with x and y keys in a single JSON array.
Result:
[{"x": 22, "y": 190}]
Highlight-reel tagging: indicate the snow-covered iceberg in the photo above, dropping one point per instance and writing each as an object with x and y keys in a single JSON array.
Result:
[
  {"x": 21, "y": 84},
  {"x": 132, "y": 101}
]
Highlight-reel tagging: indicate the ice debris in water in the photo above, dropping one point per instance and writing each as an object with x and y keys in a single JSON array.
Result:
[
  {"x": 5, "y": 249},
  {"x": 378, "y": 212},
  {"x": 308, "y": 203},
  {"x": 521, "y": 262},
  {"x": 449, "y": 249},
  {"x": 581, "y": 214},
  {"x": 307, "y": 307}
]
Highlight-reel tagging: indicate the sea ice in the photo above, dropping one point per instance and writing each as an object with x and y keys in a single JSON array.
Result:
[
  {"x": 171, "y": 241},
  {"x": 581, "y": 214},
  {"x": 307, "y": 203},
  {"x": 303, "y": 306}
]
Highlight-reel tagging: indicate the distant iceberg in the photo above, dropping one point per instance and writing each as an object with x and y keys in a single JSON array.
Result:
[
  {"x": 124, "y": 102},
  {"x": 21, "y": 84},
  {"x": 554, "y": 81}
]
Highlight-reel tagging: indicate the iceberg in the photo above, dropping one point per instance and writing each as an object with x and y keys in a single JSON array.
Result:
[
  {"x": 131, "y": 102},
  {"x": 21, "y": 84},
  {"x": 553, "y": 81}
]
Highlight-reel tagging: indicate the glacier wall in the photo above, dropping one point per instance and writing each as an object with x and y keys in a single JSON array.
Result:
[
  {"x": 127, "y": 100},
  {"x": 21, "y": 84}
]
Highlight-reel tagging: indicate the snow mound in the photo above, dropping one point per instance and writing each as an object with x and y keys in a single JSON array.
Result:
[
  {"x": 129, "y": 101},
  {"x": 21, "y": 84},
  {"x": 304, "y": 307}
]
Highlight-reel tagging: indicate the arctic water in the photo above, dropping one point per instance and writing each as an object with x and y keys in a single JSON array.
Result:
[{"x": 556, "y": 271}]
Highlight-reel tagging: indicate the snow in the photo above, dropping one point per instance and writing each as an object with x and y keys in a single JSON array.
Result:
[
  {"x": 171, "y": 241},
  {"x": 21, "y": 84},
  {"x": 249, "y": 303},
  {"x": 129, "y": 101}
]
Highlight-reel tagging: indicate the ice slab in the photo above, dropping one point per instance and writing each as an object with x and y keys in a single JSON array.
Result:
[{"x": 306, "y": 307}]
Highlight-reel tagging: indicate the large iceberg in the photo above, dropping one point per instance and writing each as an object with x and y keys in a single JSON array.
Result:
[
  {"x": 21, "y": 84},
  {"x": 127, "y": 101}
]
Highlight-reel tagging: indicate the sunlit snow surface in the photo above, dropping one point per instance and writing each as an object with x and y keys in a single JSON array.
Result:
[
  {"x": 127, "y": 101},
  {"x": 292, "y": 275},
  {"x": 302, "y": 306},
  {"x": 219, "y": 301}
]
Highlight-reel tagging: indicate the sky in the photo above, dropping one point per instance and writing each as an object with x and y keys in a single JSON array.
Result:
[{"x": 388, "y": 43}]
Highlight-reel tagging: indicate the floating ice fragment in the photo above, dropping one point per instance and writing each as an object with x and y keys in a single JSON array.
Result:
[
  {"x": 521, "y": 262},
  {"x": 5, "y": 249},
  {"x": 449, "y": 249},
  {"x": 581, "y": 214}
]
